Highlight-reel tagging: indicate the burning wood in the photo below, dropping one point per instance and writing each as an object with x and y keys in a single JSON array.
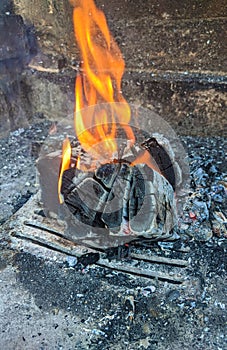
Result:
[
  {"x": 113, "y": 203},
  {"x": 118, "y": 184}
]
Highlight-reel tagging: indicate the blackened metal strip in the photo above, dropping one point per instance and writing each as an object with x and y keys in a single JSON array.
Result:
[
  {"x": 39, "y": 226},
  {"x": 62, "y": 246},
  {"x": 160, "y": 260},
  {"x": 45, "y": 228},
  {"x": 140, "y": 272},
  {"x": 43, "y": 243}
]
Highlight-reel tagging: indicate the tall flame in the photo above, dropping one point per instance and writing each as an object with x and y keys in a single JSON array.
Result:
[
  {"x": 102, "y": 69},
  {"x": 98, "y": 85}
]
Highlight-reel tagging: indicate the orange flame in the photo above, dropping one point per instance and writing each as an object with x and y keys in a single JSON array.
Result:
[
  {"x": 78, "y": 163},
  {"x": 100, "y": 82},
  {"x": 66, "y": 162},
  {"x": 98, "y": 85}
]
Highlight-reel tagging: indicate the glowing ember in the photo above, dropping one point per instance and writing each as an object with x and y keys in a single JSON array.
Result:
[{"x": 66, "y": 162}]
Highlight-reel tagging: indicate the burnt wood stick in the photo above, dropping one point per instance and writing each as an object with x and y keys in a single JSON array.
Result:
[
  {"x": 108, "y": 180},
  {"x": 124, "y": 201}
]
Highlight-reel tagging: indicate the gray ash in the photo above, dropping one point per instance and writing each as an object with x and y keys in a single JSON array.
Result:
[
  {"x": 18, "y": 153},
  {"x": 205, "y": 211}
]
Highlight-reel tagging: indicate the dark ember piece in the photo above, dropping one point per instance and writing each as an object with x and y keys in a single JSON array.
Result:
[{"x": 162, "y": 158}]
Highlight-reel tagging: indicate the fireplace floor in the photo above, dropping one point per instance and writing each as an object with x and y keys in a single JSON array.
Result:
[
  {"x": 181, "y": 291},
  {"x": 48, "y": 302}
]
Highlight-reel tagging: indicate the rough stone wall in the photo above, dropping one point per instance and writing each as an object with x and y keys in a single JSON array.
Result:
[
  {"x": 52, "y": 20},
  {"x": 174, "y": 52}
]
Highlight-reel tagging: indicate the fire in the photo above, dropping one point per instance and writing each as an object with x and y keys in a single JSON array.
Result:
[
  {"x": 98, "y": 86},
  {"x": 145, "y": 157},
  {"x": 78, "y": 163},
  {"x": 66, "y": 163},
  {"x": 99, "y": 82}
]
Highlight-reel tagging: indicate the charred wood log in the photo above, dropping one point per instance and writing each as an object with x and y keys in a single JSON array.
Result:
[
  {"x": 110, "y": 204},
  {"x": 118, "y": 203}
]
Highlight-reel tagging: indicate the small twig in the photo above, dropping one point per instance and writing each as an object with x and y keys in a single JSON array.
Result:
[{"x": 43, "y": 69}]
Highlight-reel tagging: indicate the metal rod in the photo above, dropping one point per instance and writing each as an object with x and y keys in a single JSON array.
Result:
[
  {"x": 35, "y": 224},
  {"x": 160, "y": 260},
  {"x": 140, "y": 272}
]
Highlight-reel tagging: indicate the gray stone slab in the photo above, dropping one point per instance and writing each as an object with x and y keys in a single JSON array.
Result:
[{"x": 13, "y": 40}]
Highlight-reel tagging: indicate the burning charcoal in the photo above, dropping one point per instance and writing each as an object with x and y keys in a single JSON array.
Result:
[
  {"x": 200, "y": 210},
  {"x": 114, "y": 203}
]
